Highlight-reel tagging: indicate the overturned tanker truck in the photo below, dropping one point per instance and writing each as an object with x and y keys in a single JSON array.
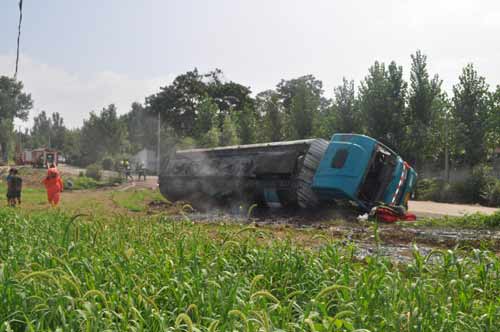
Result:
[{"x": 305, "y": 173}]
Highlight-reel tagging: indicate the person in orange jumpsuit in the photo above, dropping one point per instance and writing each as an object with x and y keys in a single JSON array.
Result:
[{"x": 54, "y": 185}]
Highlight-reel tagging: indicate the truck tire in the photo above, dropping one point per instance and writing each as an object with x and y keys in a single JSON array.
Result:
[{"x": 306, "y": 197}]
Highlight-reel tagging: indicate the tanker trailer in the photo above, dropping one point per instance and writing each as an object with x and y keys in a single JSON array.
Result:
[{"x": 304, "y": 173}]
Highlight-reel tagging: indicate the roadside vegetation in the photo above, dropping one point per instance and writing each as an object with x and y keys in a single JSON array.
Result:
[
  {"x": 85, "y": 182},
  {"x": 482, "y": 186},
  {"x": 471, "y": 221},
  {"x": 59, "y": 271},
  {"x": 428, "y": 127}
]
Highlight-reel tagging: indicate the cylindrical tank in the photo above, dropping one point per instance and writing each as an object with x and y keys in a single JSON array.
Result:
[{"x": 267, "y": 174}]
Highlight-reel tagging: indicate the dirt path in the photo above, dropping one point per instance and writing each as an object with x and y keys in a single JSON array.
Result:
[{"x": 433, "y": 209}]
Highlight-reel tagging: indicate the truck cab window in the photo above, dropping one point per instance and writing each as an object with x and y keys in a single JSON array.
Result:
[
  {"x": 339, "y": 158},
  {"x": 378, "y": 176}
]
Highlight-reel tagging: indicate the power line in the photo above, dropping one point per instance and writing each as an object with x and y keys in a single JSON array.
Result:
[{"x": 19, "y": 35}]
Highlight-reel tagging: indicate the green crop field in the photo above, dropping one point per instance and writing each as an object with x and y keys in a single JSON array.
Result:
[{"x": 118, "y": 273}]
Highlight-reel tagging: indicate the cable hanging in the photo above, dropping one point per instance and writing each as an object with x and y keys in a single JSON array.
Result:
[{"x": 18, "y": 35}]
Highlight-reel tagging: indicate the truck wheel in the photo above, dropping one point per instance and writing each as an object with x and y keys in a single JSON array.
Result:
[{"x": 306, "y": 197}]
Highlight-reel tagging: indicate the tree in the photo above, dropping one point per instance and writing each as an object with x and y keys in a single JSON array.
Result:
[
  {"x": 103, "y": 134},
  {"x": 141, "y": 127},
  {"x": 270, "y": 111},
  {"x": 211, "y": 138},
  {"x": 470, "y": 108},
  {"x": 57, "y": 131},
  {"x": 72, "y": 147},
  {"x": 301, "y": 99},
  {"x": 48, "y": 131},
  {"x": 40, "y": 131},
  {"x": 382, "y": 98},
  {"x": 425, "y": 106},
  {"x": 493, "y": 131},
  {"x": 345, "y": 108},
  {"x": 14, "y": 103},
  {"x": 206, "y": 116},
  {"x": 247, "y": 125},
  {"x": 229, "y": 134},
  {"x": 227, "y": 95},
  {"x": 178, "y": 102}
]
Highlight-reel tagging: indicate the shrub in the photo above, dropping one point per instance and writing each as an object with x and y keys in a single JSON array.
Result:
[
  {"x": 455, "y": 192},
  {"x": 107, "y": 164},
  {"x": 115, "y": 180},
  {"x": 186, "y": 143},
  {"x": 429, "y": 189},
  {"x": 477, "y": 183},
  {"x": 84, "y": 182},
  {"x": 491, "y": 193},
  {"x": 94, "y": 172},
  {"x": 479, "y": 187}
]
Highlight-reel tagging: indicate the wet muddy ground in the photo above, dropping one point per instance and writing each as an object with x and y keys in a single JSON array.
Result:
[{"x": 395, "y": 241}]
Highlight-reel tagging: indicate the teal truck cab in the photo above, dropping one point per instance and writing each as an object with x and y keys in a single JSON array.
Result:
[
  {"x": 305, "y": 173},
  {"x": 363, "y": 170}
]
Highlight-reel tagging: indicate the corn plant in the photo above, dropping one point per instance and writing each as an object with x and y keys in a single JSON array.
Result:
[{"x": 60, "y": 272}]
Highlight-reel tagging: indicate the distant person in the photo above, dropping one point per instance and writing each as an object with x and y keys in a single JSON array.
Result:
[
  {"x": 18, "y": 186},
  {"x": 128, "y": 171},
  {"x": 69, "y": 184},
  {"x": 54, "y": 186},
  {"x": 141, "y": 171},
  {"x": 14, "y": 188}
]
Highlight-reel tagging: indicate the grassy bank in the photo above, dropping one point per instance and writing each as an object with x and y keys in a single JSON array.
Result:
[
  {"x": 151, "y": 274},
  {"x": 471, "y": 221}
]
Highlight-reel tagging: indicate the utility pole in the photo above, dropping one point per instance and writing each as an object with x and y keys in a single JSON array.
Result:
[
  {"x": 446, "y": 151},
  {"x": 20, "y": 135},
  {"x": 49, "y": 134},
  {"x": 158, "y": 150}
]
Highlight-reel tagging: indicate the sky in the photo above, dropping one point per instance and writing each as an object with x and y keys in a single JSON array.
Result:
[{"x": 80, "y": 56}]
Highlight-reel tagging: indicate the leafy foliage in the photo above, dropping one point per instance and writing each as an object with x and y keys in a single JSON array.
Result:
[
  {"x": 382, "y": 101},
  {"x": 62, "y": 272},
  {"x": 247, "y": 125},
  {"x": 347, "y": 117},
  {"x": 228, "y": 135},
  {"x": 424, "y": 108},
  {"x": 94, "y": 172},
  {"x": 301, "y": 99},
  {"x": 14, "y": 104},
  {"x": 417, "y": 119},
  {"x": 470, "y": 106},
  {"x": 141, "y": 127},
  {"x": 102, "y": 134},
  {"x": 271, "y": 112}
]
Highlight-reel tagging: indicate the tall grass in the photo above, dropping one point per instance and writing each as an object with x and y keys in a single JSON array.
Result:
[
  {"x": 137, "y": 200},
  {"x": 65, "y": 273}
]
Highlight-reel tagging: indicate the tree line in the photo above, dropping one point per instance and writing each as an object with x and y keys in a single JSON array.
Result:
[{"x": 418, "y": 119}]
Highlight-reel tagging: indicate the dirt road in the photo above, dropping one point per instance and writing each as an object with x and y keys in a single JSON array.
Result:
[{"x": 432, "y": 209}]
